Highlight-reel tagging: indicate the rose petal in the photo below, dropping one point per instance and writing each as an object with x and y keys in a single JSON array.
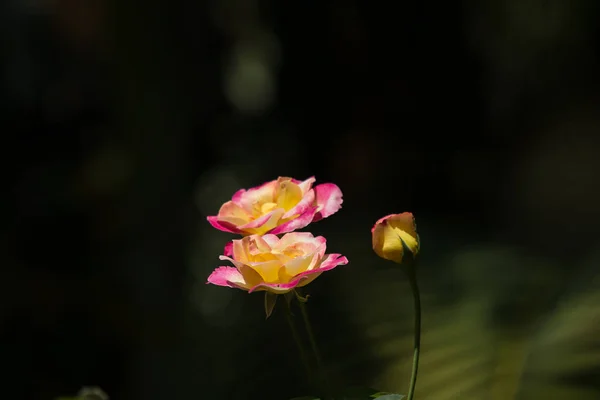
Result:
[
  {"x": 237, "y": 196},
  {"x": 296, "y": 266},
  {"x": 229, "y": 217},
  {"x": 306, "y": 185},
  {"x": 288, "y": 195},
  {"x": 263, "y": 224},
  {"x": 271, "y": 239},
  {"x": 296, "y": 223},
  {"x": 302, "y": 206},
  {"x": 302, "y": 243},
  {"x": 386, "y": 244},
  {"x": 329, "y": 200},
  {"x": 268, "y": 270},
  {"x": 251, "y": 277},
  {"x": 228, "y": 250},
  {"x": 297, "y": 237},
  {"x": 239, "y": 250},
  {"x": 332, "y": 261},
  {"x": 257, "y": 245},
  {"x": 228, "y": 276},
  {"x": 238, "y": 264},
  {"x": 319, "y": 254},
  {"x": 232, "y": 210},
  {"x": 247, "y": 199},
  {"x": 222, "y": 225},
  {"x": 289, "y": 255},
  {"x": 245, "y": 250},
  {"x": 405, "y": 223}
]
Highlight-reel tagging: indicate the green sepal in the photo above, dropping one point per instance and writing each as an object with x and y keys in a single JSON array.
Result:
[{"x": 270, "y": 301}]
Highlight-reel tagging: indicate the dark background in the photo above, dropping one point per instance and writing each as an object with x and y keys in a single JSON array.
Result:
[{"x": 126, "y": 123}]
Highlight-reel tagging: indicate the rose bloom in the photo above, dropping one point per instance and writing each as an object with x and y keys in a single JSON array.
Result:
[
  {"x": 392, "y": 233},
  {"x": 278, "y": 206},
  {"x": 276, "y": 265}
]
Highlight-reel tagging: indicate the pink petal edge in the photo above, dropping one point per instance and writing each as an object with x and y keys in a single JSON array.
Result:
[
  {"x": 238, "y": 196},
  {"x": 226, "y": 276},
  {"x": 383, "y": 220},
  {"x": 258, "y": 222},
  {"x": 228, "y": 250},
  {"x": 221, "y": 225},
  {"x": 329, "y": 199},
  {"x": 296, "y": 223}
]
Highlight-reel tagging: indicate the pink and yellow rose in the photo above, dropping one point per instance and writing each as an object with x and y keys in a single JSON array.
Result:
[
  {"x": 268, "y": 263},
  {"x": 279, "y": 206}
]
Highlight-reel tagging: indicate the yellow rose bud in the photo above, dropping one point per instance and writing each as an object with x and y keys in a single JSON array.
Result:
[{"x": 392, "y": 233}]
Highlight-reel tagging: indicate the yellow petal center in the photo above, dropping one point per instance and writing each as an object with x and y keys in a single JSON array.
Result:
[
  {"x": 267, "y": 207},
  {"x": 288, "y": 195},
  {"x": 268, "y": 270}
]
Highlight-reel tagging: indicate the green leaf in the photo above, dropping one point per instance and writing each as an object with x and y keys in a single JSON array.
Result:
[{"x": 358, "y": 393}]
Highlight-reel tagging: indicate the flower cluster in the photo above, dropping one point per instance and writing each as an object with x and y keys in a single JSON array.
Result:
[
  {"x": 264, "y": 261},
  {"x": 273, "y": 258}
]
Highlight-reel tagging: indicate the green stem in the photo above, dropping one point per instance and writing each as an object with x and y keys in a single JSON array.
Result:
[
  {"x": 311, "y": 336},
  {"x": 313, "y": 343},
  {"x": 301, "y": 350},
  {"x": 417, "y": 300}
]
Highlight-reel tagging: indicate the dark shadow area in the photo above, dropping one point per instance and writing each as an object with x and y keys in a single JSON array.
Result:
[{"x": 126, "y": 124}]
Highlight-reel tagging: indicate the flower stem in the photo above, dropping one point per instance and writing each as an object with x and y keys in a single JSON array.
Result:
[
  {"x": 417, "y": 304},
  {"x": 313, "y": 343},
  {"x": 296, "y": 336},
  {"x": 311, "y": 336}
]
